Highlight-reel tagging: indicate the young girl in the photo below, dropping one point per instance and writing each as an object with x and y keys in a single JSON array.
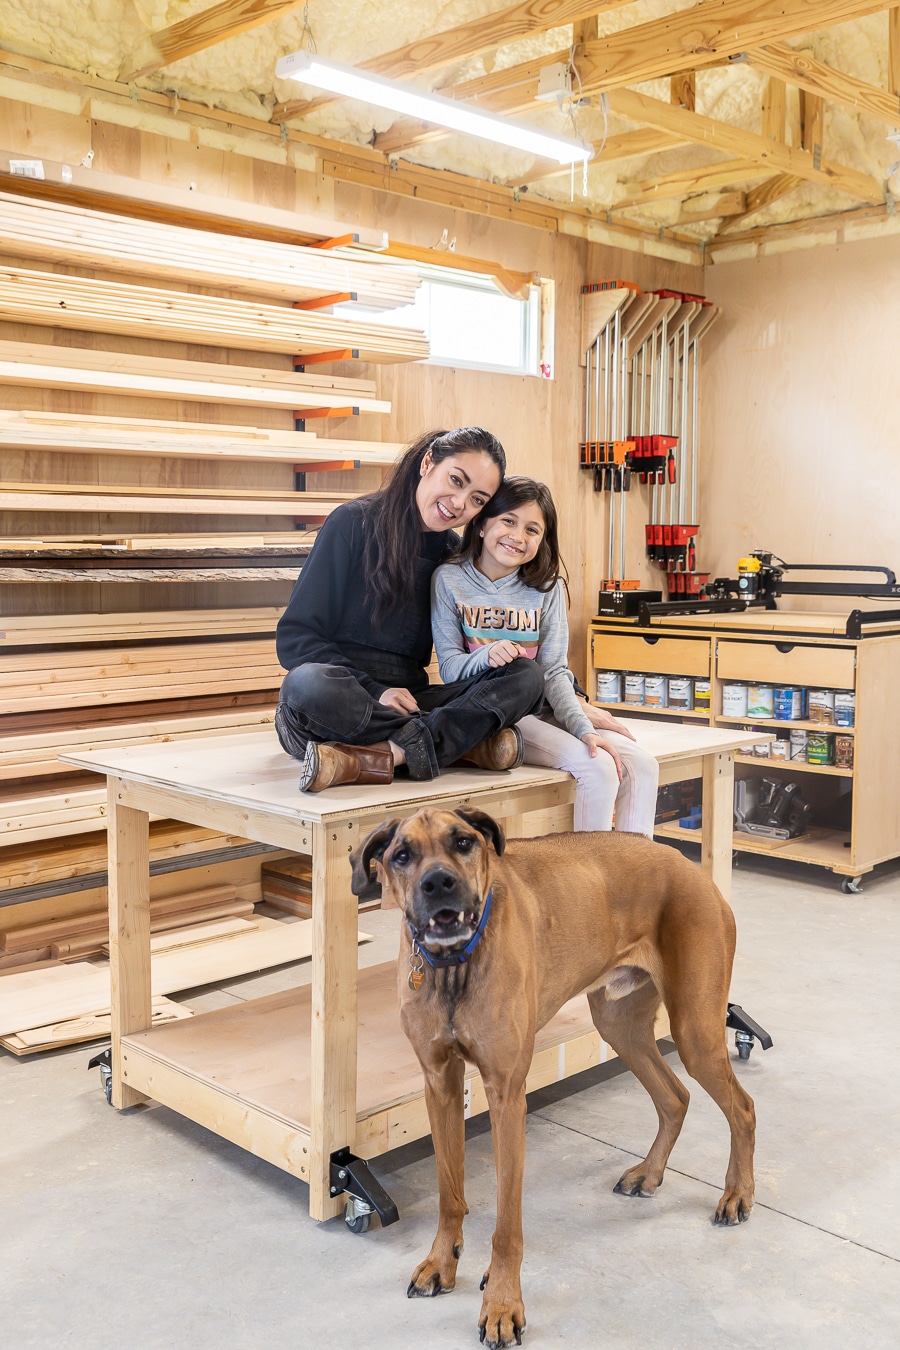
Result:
[{"x": 504, "y": 597}]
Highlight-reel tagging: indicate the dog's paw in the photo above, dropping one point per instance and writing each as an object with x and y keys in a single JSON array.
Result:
[
  {"x": 636, "y": 1182},
  {"x": 428, "y": 1280},
  {"x": 501, "y": 1324},
  {"x": 733, "y": 1208}
]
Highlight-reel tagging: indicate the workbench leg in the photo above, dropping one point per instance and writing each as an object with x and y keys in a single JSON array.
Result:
[
  {"x": 718, "y": 819},
  {"x": 334, "y": 1029},
  {"x": 128, "y": 836}
]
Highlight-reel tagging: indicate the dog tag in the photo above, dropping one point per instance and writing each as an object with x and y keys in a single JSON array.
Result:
[{"x": 416, "y": 979}]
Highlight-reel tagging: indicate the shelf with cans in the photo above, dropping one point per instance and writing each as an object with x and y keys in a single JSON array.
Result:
[{"x": 830, "y": 798}]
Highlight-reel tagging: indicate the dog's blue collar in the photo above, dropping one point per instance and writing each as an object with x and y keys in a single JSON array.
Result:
[{"x": 458, "y": 958}]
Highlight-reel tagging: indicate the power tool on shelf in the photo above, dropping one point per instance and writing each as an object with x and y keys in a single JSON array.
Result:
[{"x": 761, "y": 580}]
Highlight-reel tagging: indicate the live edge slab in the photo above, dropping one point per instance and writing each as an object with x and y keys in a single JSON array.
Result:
[{"x": 300, "y": 1074}]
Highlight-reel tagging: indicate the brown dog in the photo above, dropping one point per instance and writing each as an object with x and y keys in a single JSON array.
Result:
[{"x": 630, "y": 922}]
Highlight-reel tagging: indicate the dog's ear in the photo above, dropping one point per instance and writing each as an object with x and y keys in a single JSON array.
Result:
[
  {"x": 371, "y": 849},
  {"x": 485, "y": 825}
]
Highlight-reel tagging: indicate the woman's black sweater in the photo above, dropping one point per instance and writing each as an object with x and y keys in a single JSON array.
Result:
[{"x": 328, "y": 617}]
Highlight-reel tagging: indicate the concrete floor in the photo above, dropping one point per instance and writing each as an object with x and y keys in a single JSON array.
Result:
[{"x": 142, "y": 1229}]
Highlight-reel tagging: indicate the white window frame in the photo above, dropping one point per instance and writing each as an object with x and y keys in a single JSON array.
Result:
[{"x": 536, "y": 337}]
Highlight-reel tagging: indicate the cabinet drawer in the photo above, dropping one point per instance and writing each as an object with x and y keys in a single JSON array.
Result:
[
  {"x": 763, "y": 663},
  {"x": 659, "y": 656}
]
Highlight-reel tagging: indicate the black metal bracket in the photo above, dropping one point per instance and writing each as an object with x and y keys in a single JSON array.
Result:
[
  {"x": 102, "y": 1060},
  {"x": 352, "y": 1175},
  {"x": 748, "y": 1031}
]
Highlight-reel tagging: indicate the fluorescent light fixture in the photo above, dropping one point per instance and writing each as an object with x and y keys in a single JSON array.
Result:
[{"x": 308, "y": 68}]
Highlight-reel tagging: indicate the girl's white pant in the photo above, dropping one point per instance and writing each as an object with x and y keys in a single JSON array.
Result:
[{"x": 598, "y": 792}]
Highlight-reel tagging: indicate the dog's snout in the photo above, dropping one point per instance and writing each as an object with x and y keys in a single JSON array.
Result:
[{"x": 439, "y": 884}]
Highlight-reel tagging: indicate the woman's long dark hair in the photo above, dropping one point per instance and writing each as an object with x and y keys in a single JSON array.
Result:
[
  {"x": 394, "y": 523},
  {"x": 546, "y": 567}
]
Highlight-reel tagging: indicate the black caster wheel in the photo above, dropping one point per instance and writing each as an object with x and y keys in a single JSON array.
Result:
[
  {"x": 735, "y": 858},
  {"x": 851, "y": 886},
  {"x": 356, "y": 1221},
  {"x": 744, "y": 1048},
  {"x": 107, "y": 1088}
]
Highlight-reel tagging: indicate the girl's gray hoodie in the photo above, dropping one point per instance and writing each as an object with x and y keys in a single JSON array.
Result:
[{"x": 469, "y": 612}]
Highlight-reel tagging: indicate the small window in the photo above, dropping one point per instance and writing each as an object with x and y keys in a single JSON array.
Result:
[{"x": 469, "y": 322}]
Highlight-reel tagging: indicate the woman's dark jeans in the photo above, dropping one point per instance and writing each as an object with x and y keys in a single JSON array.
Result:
[{"x": 327, "y": 703}]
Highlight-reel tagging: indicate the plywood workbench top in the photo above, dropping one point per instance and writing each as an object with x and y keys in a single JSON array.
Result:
[{"x": 252, "y": 771}]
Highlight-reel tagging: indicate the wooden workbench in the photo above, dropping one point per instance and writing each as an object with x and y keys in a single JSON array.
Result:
[{"x": 300, "y": 1074}]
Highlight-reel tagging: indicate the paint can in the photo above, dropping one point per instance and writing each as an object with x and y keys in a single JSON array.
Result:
[
  {"x": 843, "y": 752},
  {"x": 734, "y": 700},
  {"x": 634, "y": 688},
  {"x": 609, "y": 686},
  {"x": 844, "y": 710},
  {"x": 701, "y": 695},
  {"x": 821, "y": 706},
  {"x": 762, "y": 751},
  {"x": 819, "y": 748},
  {"x": 779, "y": 749},
  {"x": 799, "y": 741},
  {"x": 680, "y": 692},
  {"x": 655, "y": 693},
  {"x": 761, "y": 701},
  {"x": 788, "y": 705}
]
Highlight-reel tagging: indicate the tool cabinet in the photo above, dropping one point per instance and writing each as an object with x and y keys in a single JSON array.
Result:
[{"x": 857, "y": 809}]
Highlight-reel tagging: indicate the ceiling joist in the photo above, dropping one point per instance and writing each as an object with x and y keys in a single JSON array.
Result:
[
  {"x": 628, "y": 145},
  {"x": 803, "y": 70},
  {"x": 765, "y": 195},
  {"x": 459, "y": 44},
  {"x": 690, "y": 181},
  {"x": 701, "y": 35},
  {"x": 727, "y": 204},
  {"x": 202, "y": 30},
  {"x": 778, "y": 158}
]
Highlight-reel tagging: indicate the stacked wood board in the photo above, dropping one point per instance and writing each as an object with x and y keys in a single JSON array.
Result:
[
  {"x": 82, "y": 433},
  {"x": 61, "y": 1004},
  {"x": 214, "y": 445},
  {"x": 70, "y": 681},
  {"x": 85, "y": 371},
  {"x": 51, "y": 230},
  {"x": 94, "y": 306}
]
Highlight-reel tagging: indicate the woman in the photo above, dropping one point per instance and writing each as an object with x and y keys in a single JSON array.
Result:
[
  {"x": 504, "y": 596},
  {"x": 356, "y": 634}
]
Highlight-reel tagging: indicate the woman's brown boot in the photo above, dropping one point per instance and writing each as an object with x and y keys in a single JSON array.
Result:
[{"x": 332, "y": 765}]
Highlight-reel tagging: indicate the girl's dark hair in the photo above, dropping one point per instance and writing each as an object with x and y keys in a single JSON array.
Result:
[
  {"x": 546, "y": 567},
  {"x": 393, "y": 520}
]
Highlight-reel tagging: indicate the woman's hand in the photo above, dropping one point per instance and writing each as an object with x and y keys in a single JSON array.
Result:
[
  {"x": 595, "y": 744},
  {"x": 602, "y": 720},
  {"x": 503, "y": 652},
  {"x": 401, "y": 700}
]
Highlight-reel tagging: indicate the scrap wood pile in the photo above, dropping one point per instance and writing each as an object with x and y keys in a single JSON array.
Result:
[{"x": 54, "y": 973}]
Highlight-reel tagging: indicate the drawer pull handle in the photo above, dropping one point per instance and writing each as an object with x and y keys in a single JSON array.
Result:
[
  {"x": 784, "y": 647},
  {"x": 650, "y": 641}
]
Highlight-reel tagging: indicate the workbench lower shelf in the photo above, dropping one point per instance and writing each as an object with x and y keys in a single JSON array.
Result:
[
  {"x": 243, "y": 1071},
  {"x": 823, "y": 848}
]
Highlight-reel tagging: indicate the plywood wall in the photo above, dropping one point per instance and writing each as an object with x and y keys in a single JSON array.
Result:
[
  {"x": 537, "y": 420},
  {"x": 801, "y": 420}
]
